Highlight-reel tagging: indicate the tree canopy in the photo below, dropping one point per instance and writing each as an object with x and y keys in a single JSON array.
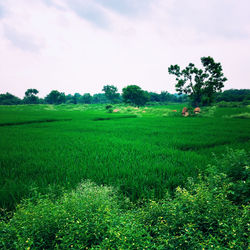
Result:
[
  {"x": 9, "y": 99},
  {"x": 199, "y": 84},
  {"x": 111, "y": 93},
  {"x": 55, "y": 97},
  {"x": 134, "y": 95},
  {"x": 30, "y": 96}
]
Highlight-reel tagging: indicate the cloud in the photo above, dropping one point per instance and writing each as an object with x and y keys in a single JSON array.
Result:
[
  {"x": 88, "y": 10},
  {"x": 125, "y": 7},
  {"x": 224, "y": 18},
  {"x": 2, "y": 11},
  {"x": 20, "y": 40},
  {"x": 79, "y": 46}
]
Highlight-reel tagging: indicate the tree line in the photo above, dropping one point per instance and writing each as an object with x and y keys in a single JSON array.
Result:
[
  {"x": 200, "y": 87},
  {"x": 132, "y": 94},
  {"x": 56, "y": 97}
]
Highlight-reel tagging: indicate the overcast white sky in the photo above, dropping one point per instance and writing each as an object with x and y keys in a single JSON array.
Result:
[{"x": 81, "y": 45}]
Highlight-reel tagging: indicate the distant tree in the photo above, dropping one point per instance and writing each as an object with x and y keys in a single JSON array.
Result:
[
  {"x": 165, "y": 96},
  {"x": 134, "y": 95},
  {"x": 86, "y": 98},
  {"x": 9, "y": 99},
  {"x": 30, "y": 96},
  {"x": 99, "y": 98},
  {"x": 234, "y": 95},
  {"x": 111, "y": 93},
  {"x": 154, "y": 97},
  {"x": 76, "y": 98},
  {"x": 69, "y": 99},
  {"x": 31, "y": 92},
  {"x": 55, "y": 97},
  {"x": 199, "y": 84}
]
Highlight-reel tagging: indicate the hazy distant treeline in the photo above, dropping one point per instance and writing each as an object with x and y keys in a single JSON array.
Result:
[{"x": 56, "y": 97}]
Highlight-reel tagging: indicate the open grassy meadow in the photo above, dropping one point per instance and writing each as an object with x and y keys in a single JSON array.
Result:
[{"x": 142, "y": 153}]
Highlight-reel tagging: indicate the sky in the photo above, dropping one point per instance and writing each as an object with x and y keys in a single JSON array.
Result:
[{"x": 81, "y": 45}]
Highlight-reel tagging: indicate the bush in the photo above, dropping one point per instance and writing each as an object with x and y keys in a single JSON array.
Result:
[
  {"x": 108, "y": 106},
  {"x": 235, "y": 163},
  {"x": 198, "y": 217},
  {"x": 79, "y": 218},
  {"x": 224, "y": 104}
]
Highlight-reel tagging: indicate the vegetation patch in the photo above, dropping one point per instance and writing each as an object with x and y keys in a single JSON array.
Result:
[
  {"x": 114, "y": 117},
  {"x": 93, "y": 216},
  {"x": 30, "y": 122},
  {"x": 241, "y": 116}
]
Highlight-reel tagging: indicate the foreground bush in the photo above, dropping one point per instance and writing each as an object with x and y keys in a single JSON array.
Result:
[
  {"x": 87, "y": 217},
  {"x": 200, "y": 216},
  {"x": 206, "y": 214}
]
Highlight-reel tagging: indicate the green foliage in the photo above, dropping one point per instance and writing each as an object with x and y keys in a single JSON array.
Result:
[
  {"x": 143, "y": 151},
  {"x": 165, "y": 97},
  {"x": 111, "y": 93},
  {"x": 86, "y": 98},
  {"x": 100, "y": 98},
  {"x": 9, "y": 99},
  {"x": 31, "y": 92},
  {"x": 224, "y": 104},
  {"x": 30, "y": 96},
  {"x": 200, "y": 85},
  {"x": 234, "y": 95},
  {"x": 235, "y": 163},
  {"x": 134, "y": 95},
  {"x": 198, "y": 216},
  {"x": 55, "y": 97},
  {"x": 108, "y": 106}
]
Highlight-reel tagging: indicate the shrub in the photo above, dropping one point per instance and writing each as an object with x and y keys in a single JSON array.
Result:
[
  {"x": 235, "y": 163},
  {"x": 198, "y": 217},
  {"x": 79, "y": 218},
  {"x": 224, "y": 104},
  {"x": 109, "y": 106}
]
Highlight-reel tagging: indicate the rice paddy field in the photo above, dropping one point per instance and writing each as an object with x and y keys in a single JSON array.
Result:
[
  {"x": 141, "y": 152},
  {"x": 84, "y": 177}
]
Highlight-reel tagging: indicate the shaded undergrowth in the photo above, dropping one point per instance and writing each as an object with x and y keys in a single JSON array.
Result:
[{"x": 30, "y": 122}]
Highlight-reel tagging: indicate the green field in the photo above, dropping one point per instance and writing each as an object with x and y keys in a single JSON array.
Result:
[
  {"x": 143, "y": 152},
  {"x": 81, "y": 177}
]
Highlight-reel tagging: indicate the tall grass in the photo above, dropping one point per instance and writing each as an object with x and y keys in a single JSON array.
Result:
[{"x": 144, "y": 155}]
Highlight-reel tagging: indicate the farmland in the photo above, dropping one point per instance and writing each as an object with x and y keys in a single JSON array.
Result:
[{"x": 142, "y": 153}]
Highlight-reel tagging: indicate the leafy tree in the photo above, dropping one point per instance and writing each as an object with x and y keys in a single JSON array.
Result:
[
  {"x": 111, "y": 93},
  {"x": 100, "y": 98},
  {"x": 154, "y": 97},
  {"x": 76, "y": 98},
  {"x": 69, "y": 99},
  {"x": 199, "y": 84},
  {"x": 31, "y": 92},
  {"x": 30, "y": 96},
  {"x": 86, "y": 98},
  {"x": 9, "y": 99},
  {"x": 134, "y": 95},
  {"x": 55, "y": 97}
]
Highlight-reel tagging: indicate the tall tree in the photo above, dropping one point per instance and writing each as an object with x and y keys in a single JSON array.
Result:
[
  {"x": 55, "y": 97},
  {"x": 86, "y": 98},
  {"x": 111, "y": 93},
  {"x": 134, "y": 95},
  {"x": 199, "y": 84},
  {"x": 30, "y": 96}
]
